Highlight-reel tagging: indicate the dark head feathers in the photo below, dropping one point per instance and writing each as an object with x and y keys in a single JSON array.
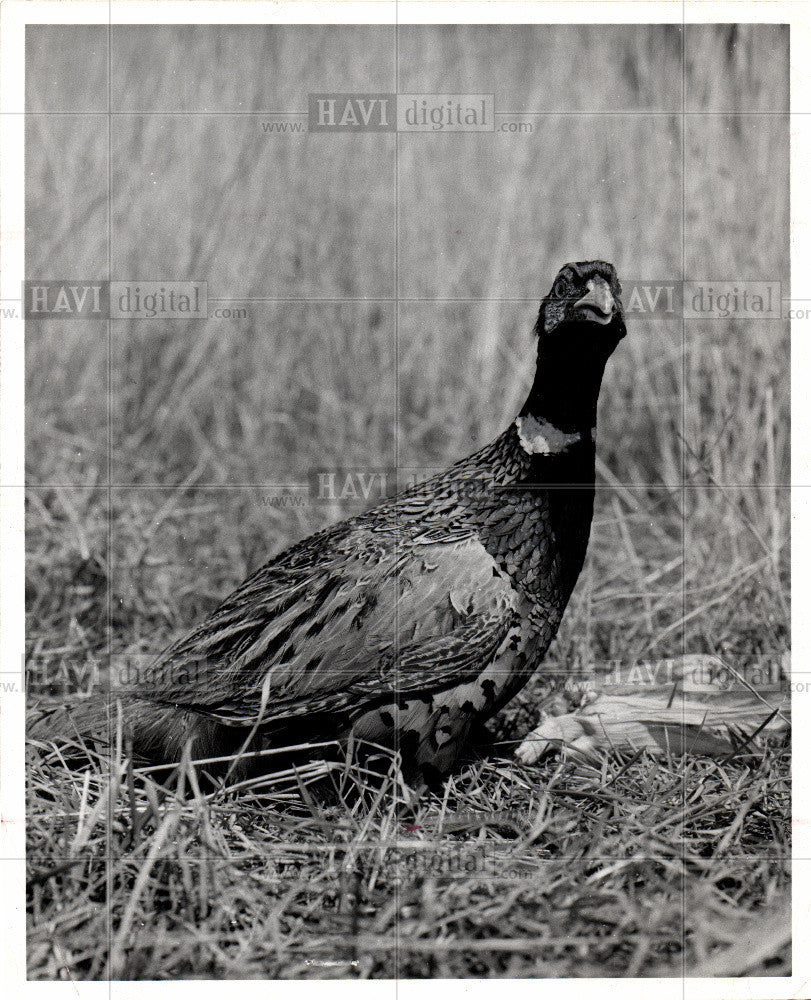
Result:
[{"x": 586, "y": 292}]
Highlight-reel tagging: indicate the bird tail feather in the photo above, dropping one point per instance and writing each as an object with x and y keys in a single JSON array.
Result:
[{"x": 156, "y": 732}]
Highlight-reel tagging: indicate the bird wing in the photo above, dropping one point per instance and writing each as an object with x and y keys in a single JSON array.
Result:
[{"x": 340, "y": 620}]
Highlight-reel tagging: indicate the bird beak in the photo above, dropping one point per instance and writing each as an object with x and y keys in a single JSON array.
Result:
[{"x": 597, "y": 303}]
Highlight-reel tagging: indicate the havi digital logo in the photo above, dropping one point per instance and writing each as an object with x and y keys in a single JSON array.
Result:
[{"x": 401, "y": 113}]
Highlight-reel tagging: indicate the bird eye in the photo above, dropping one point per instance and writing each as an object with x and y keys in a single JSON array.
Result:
[{"x": 560, "y": 288}]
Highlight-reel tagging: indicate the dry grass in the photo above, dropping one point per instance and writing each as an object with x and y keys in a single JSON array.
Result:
[
  {"x": 643, "y": 867},
  {"x": 639, "y": 867}
]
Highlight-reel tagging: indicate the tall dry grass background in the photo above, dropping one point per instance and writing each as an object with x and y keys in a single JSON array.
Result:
[{"x": 390, "y": 287}]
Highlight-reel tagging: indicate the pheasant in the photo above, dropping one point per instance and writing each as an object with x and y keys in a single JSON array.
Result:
[{"x": 413, "y": 622}]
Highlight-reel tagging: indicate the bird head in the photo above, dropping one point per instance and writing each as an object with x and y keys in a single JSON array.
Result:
[
  {"x": 580, "y": 323},
  {"x": 583, "y": 310}
]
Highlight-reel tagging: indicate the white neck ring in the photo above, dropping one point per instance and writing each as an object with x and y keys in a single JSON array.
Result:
[{"x": 539, "y": 437}]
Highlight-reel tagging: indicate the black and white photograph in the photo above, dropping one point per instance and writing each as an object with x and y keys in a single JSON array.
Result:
[{"x": 397, "y": 495}]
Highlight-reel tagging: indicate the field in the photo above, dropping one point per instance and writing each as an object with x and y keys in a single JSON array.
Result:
[{"x": 388, "y": 286}]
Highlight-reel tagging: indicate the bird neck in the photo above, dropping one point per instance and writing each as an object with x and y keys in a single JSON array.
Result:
[{"x": 562, "y": 402}]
